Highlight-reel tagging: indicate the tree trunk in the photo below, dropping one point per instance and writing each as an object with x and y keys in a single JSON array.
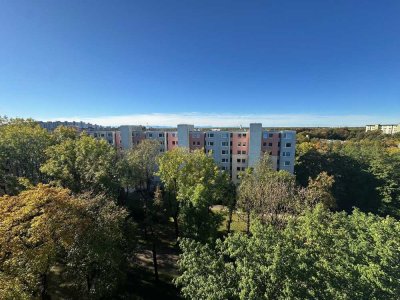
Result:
[
  {"x": 154, "y": 250},
  {"x": 248, "y": 223},
  {"x": 44, "y": 295},
  {"x": 230, "y": 216},
  {"x": 176, "y": 225}
]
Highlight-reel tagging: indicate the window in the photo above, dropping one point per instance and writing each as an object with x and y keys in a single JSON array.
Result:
[
  {"x": 238, "y": 160},
  {"x": 224, "y": 152},
  {"x": 210, "y": 143},
  {"x": 161, "y": 142},
  {"x": 173, "y": 142},
  {"x": 150, "y": 135},
  {"x": 102, "y": 135},
  {"x": 243, "y": 160},
  {"x": 269, "y": 144},
  {"x": 223, "y": 168},
  {"x": 239, "y": 144},
  {"x": 173, "y": 134},
  {"x": 287, "y": 163},
  {"x": 264, "y": 144},
  {"x": 286, "y": 153},
  {"x": 243, "y": 152},
  {"x": 210, "y": 135},
  {"x": 244, "y": 134},
  {"x": 160, "y": 135},
  {"x": 224, "y": 135},
  {"x": 224, "y": 144},
  {"x": 271, "y": 135},
  {"x": 287, "y": 135},
  {"x": 243, "y": 168},
  {"x": 270, "y": 152},
  {"x": 194, "y": 143},
  {"x": 288, "y": 145},
  {"x": 239, "y": 152},
  {"x": 109, "y": 134},
  {"x": 224, "y": 160},
  {"x": 265, "y": 135},
  {"x": 239, "y": 135},
  {"x": 244, "y": 144},
  {"x": 95, "y": 134},
  {"x": 161, "y": 150},
  {"x": 238, "y": 169},
  {"x": 198, "y": 143}
]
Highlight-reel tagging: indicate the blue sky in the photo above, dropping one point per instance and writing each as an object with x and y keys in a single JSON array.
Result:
[{"x": 284, "y": 63}]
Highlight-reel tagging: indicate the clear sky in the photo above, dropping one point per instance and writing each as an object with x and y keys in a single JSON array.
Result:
[{"x": 290, "y": 62}]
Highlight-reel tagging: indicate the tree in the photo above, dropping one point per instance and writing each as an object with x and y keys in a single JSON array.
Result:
[
  {"x": 97, "y": 261},
  {"x": 22, "y": 151},
  {"x": 270, "y": 194},
  {"x": 366, "y": 173},
  {"x": 141, "y": 162},
  {"x": 34, "y": 226},
  {"x": 170, "y": 171},
  {"x": 156, "y": 218},
  {"x": 62, "y": 133},
  {"x": 44, "y": 226},
  {"x": 319, "y": 190},
  {"x": 84, "y": 164},
  {"x": 318, "y": 255},
  {"x": 194, "y": 180}
]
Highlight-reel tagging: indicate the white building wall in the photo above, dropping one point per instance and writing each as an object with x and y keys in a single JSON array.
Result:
[
  {"x": 255, "y": 143},
  {"x": 183, "y": 134}
]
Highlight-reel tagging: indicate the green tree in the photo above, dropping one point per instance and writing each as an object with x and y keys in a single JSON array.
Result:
[
  {"x": 170, "y": 171},
  {"x": 84, "y": 164},
  {"x": 269, "y": 194},
  {"x": 62, "y": 133},
  {"x": 319, "y": 255},
  {"x": 97, "y": 261},
  {"x": 22, "y": 146},
  {"x": 195, "y": 182},
  {"x": 141, "y": 165}
]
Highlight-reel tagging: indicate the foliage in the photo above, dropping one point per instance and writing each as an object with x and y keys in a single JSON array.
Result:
[
  {"x": 274, "y": 196},
  {"x": 45, "y": 225},
  {"x": 22, "y": 144},
  {"x": 366, "y": 173},
  {"x": 97, "y": 260},
  {"x": 84, "y": 164},
  {"x": 34, "y": 227},
  {"x": 62, "y": 133},
  {"x": 140, "y": 165},
  {"x": 319, "y": 255},
  {"x": 194, "y": 183}
]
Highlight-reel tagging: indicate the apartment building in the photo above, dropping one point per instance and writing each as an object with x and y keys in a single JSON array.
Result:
[
  {"x": 112, "y": 136},
  {"x": 218, "y": 144},
  {"x": 233, "y": 151},
  {"x": 386, "y": 128},
  {"x": 51, "y": 125}
]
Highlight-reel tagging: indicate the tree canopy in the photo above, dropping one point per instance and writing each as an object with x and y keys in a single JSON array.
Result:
[{"x": 319, "y": 255}]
